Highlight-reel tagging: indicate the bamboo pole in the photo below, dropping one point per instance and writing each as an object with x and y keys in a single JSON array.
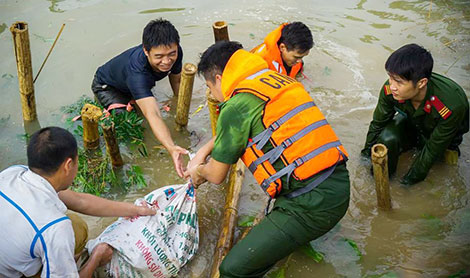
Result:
[
  {"x": 112, "y": 147},
  {"x": 225, "y": 242},
  {"x": 184, "y": 95},
  {"x": 91, "y": 114},
  {"x": 19, "y": 30},
  {"x": 49, "y": 53},
  {"x": 229, "y": 222},
  {"x": 380, "y": 168},
  {"x": 220, "y": 31},
  {"x": 212, "y": 103}
]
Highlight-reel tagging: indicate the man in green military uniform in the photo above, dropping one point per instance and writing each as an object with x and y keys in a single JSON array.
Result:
[
  {"x": 298, "y": 216},
  {"x": 418, "y": 109}
]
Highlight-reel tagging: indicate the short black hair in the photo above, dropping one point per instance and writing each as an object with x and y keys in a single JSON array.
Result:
[
  {"x": 159, "y": 32},
  {"x": 296, "y": 36},
  {"x": 214, "y": 59},
  {"x": 49, "y": 147},
  {"x": 410, "y": 62}
]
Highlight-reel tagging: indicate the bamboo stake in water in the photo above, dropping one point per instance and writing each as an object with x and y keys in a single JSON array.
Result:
[
  {"x": 185, "y": 94},
  {"x": 380, "y": 168},
  {"x": 229, "y": 221},
  {"x": 212, "y": 104},
  {"x": 19, "y": 30},
  {"x": 112, "y": 146},
  {"x": 91, "y": 114},
  {"x": 220, "y": 31}
]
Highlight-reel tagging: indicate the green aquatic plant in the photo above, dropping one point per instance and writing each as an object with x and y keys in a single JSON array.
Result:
[
  {"x": 96, "y": 176},
  {"x": 246, "y": 221},
  {"x": 75, "y": 108},
  {"x": 308, "y": 250},
  {"x": 460, "y": 274},
  {"x": 129, "y": 129},
  {"x": 278, "y": 273},
  {"x": 3, "y": 27},
  {"x": 161, "y": 10},
  {"x": 353, "y": 244},
  {"x": 129, "y": 126},
  {"x": 135, "y": 177}
]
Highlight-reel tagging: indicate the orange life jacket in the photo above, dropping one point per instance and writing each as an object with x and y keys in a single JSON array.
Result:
[
  {"x": 269, "y": 51},
  {"x": 298, "y": 131}
]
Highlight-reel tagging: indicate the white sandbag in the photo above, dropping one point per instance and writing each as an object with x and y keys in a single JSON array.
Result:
[{"x": 158, "y": 245}]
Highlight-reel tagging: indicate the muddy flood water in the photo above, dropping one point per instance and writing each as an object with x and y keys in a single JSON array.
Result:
[{"x": 427, "y": 234}]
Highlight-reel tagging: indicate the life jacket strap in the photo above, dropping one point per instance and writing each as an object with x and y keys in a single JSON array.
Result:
[
  {"x": 298, "y": 162},
  {"x": 276, "y": 152},
  {"x": 261, "y": 139},
  {"x": 318, "y": 180}
]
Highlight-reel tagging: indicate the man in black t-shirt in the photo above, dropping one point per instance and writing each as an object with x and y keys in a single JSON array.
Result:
[{"x": 132, "y": 74}]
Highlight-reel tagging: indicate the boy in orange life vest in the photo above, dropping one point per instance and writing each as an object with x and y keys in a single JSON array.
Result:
[
  {"x": 284, "y": 48},
  {"x": 297, "y": 159}
]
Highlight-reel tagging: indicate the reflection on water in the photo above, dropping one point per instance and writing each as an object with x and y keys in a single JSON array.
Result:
[{"x": 428, "y": 232}]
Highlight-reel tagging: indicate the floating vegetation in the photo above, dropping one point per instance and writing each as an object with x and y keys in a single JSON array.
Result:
[
  {"x": 368, "y": 39},
  {"x": 460, "y": 274},
  {"x": 24, "y": 137},
  {"x": 3, "y": 27},
  {"x": 246, "y": 221},
  {"x": 278, "y": 273},
  {"x": 7, "y": 75},
  {"x": 350, "y": 17},
  {"x": 389, "y": 274},
  {"x": 53, "y": 8},
  {"x": 380, "y": 26},
  {"x": 308, "y": 250},
  {"x": 161, "y": 10},
  {"x": 353, "y": 244},
  {"x": 4, "y": 120}
]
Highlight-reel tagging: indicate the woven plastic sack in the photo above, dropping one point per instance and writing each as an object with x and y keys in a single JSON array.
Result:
[{"x": 158, "y": 245}]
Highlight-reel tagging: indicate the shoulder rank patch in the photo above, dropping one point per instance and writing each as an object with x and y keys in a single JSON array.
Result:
[
  {"x": 440, "y": 107},
  {"x": 387, "y": 90}
]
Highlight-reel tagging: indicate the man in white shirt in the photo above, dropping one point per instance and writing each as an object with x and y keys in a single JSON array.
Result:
[{"x": 35, "y": 231}]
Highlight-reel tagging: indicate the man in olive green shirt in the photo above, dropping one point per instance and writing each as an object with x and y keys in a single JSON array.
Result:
[
  {"x": 418, "y": 108},
  {"x": 293, "y": 221}
]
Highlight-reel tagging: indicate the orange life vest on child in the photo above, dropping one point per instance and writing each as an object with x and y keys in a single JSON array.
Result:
[
  {"x": 269, "y": 51},
  {"x": 300, "y": 134}
]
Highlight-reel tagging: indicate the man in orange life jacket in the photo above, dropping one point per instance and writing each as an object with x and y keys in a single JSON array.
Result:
[
  {"x": 269, "y": 121},
  {"x": 284, "y": 48}
]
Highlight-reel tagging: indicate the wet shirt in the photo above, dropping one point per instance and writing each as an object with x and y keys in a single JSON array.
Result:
[
  {"x": 36, "y": 197},
  {"x": 240, "y": 118},
  {"x": 131, "y": 73},
  {"x": 438, "y": 128}
]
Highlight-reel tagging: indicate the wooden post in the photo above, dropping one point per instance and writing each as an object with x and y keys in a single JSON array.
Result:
[
  {"x": 380, "y": 168},
  {"x": 112, "y": 147},
  {"x": 229, "y": 222},
  {"x": 91, "y": 114},
  {"x": 184, "y": 95},
  {"x": 225, "y": 242},
  {"x": 212, "y": 104},
  {"x": 19, "y": 30},
  {"x": 220, "y": 31}
]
